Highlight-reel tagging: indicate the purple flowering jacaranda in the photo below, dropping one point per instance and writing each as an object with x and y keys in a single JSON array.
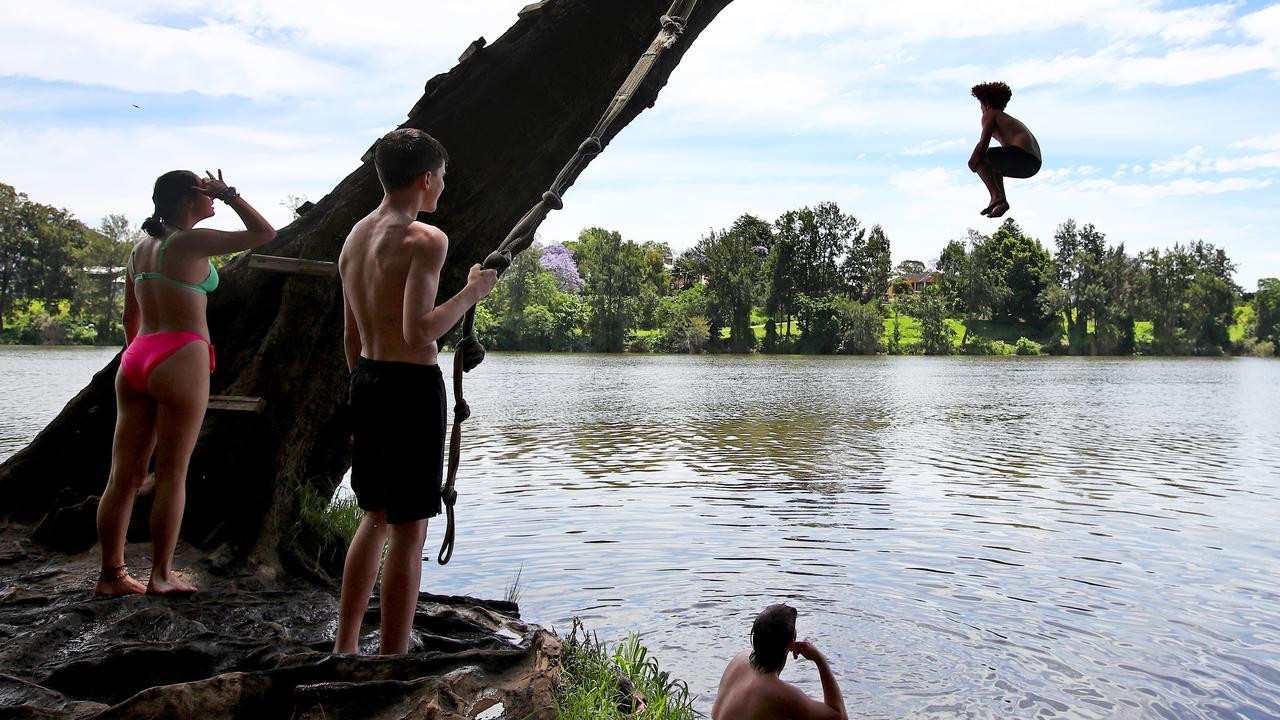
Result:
[{"x": 557, "y": 260}]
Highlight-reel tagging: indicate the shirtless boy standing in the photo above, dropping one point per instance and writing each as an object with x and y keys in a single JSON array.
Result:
[
  {"x": 1018, "y": 155},
  {"x": 390, "y": 267},
  {"x": 751, "y": 688}
]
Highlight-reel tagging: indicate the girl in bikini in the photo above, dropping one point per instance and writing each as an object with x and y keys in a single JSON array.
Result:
[{"x": 162, "y": 387}]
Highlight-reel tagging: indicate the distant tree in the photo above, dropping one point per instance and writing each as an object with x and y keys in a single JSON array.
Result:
[
  {"x": 292, "y": 202},
  {"x": 655, "y": 282},
  {"x": 951, "y": 268},
  {"x": 935, "y": 334},
  {"x": 17, "y": 245},
  {"x": 1266, "y": 311},
  {"x": 101, "y": 259},
  {"x": 1189, "y": 294},
  {"x": 820, "y": 316},
  {"x": 780, "y": 270},
  {"x": 613, "y": 270},
  {"x": 39, "y": 254},
  {"x": 1164, "y": 279},
  {"x": 734, "y": 267},
  {"x": 909, "y": 267},
  {"x": 688, "y": 268},
  {"x": 981, "y": 286},
  {"x": 529, "y": 311},
  {"x": 556, "y": 259},
  {"x": 682, "y": 318},
  {"x": 1025, "y": 269},
  {"x": 866, "y": 267},
  {"x": 1213, "y": 299},
  {"x": 862, "y": 329}
]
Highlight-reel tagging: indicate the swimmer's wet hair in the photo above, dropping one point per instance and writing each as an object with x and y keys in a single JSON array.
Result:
[
  {"x": 994, "y": 94},
  {"x": 773, "y": 630},
  {"x": 402, "y": 155}
]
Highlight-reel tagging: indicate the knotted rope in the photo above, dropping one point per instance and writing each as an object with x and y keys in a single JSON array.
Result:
[{"x": 469, "y": 352}]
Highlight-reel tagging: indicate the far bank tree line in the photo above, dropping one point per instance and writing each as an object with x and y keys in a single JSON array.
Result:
[
  {"x": 814, "y": 280},
  {"x": 817, "y": 280}
]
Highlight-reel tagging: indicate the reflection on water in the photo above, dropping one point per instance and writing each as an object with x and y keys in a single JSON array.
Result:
[{"x": 964, "y": 537}]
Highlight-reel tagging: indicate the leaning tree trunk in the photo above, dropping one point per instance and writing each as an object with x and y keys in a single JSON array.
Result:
[{"x": 510, "y": 115}]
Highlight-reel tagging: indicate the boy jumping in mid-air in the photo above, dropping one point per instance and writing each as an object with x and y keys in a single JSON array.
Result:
[
  {"x": 390, "y": 267},
  {"x": 1018, "y": 155}
]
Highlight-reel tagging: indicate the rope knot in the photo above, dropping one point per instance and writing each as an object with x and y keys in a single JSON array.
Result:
[{"x": 470, "y": 351}]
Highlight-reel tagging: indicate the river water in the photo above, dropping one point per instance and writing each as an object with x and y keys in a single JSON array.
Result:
[{"x": 963, "y": 537}]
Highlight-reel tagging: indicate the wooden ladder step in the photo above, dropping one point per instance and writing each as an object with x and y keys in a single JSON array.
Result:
[
  {"x": 237, "y": 403},
  {"x": 293, "y": 266}
]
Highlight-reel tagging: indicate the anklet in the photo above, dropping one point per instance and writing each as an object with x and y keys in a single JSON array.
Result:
[{"x": 118, "y": 572}]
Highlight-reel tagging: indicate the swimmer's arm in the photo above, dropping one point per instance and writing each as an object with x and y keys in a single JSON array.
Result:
[
  {"x": 802, "y": 707},
  {"x": 132, "y": 318},
  {"x": 351, "y": 344},
  {"x": 984, "y": 140},
  {"x": 805, "y": 707},
  {"x": 425, "y": 322}
]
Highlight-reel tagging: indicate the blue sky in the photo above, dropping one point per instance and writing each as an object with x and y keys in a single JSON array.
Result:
[{"x": 1158, "y": 120}]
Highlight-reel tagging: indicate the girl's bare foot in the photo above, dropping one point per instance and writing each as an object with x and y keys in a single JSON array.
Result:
[
  {"x": 999, "y": 209},
  {"x": 173, "y": 584},
  {"x": 116, "y": 581},
  {"x": 994, "y": 202}
]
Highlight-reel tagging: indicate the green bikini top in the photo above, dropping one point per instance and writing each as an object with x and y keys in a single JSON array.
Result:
[{"x": 209, "y": 284}]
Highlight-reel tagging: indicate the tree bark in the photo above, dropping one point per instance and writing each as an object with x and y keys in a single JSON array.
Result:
[{"x": 510, "y": 114}]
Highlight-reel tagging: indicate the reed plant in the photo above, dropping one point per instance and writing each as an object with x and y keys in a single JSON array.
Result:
[{"x": 597, "y": 683}]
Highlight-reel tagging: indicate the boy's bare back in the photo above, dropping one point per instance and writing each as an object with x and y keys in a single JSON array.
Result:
[
  {"x": 390, "y": 267},
  {"x": 1010, "y": 131},
  {"x": 749, "y": 695}
]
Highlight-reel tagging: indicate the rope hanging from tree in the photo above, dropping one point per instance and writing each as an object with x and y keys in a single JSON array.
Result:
[{"x": 468, "y": 353}]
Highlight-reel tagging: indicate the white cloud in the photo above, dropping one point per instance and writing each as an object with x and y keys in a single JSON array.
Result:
[
  {"x": 930, "y": 147},
  {"x": 55, "y": 41},
  {"x": 247, "y": 48},
  {"x": 95, "y": 171},
  {"x": 1113, "y": 66},
  {"x": 1195, "y": 160},
  {"x": 922, "y": 181},
  {"x": 1181, "y": 187},
  {"x": 1265, "y": 142},
  {"x": 1188, "y": 162}
]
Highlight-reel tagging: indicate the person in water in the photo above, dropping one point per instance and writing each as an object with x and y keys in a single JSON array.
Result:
[
  {"x": 751, "y": 688},
  {"x": 162, "y": 386},
  {"x": 1018, "y": 155},
  {"x": 390, "y": 266}
]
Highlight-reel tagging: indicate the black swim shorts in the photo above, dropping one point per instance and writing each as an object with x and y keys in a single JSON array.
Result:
[
  {"x": 398, "y": 420},
  {"x": 1012, "y": 161}
]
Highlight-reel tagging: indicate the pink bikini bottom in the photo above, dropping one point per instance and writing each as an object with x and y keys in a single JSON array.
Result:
[{"x": 148, "y": 351}]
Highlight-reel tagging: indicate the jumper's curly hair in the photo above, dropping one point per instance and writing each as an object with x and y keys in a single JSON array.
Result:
[{"x": 994, "y": 94}]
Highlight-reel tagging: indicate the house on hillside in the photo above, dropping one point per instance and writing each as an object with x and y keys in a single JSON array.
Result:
[{"x": 917, "y": 282}]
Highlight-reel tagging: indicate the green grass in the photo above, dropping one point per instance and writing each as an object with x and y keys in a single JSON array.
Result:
[
  {"x": 599, "y": 684},
  {"x": 334, "y": 521},
  {"x": 909, "y": 331},
  {"x": 1144, "y": 333},
  {"x": 1243, "y": 318}
]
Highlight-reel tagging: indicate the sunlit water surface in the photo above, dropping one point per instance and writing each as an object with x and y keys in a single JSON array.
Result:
[{"x": 963, "y": 537}]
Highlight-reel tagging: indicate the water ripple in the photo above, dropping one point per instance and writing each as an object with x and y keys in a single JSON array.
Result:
[{"x": 964, "y": 537}]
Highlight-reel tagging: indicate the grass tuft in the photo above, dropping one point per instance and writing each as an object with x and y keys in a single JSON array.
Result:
[{"x": 597, "y": 684}]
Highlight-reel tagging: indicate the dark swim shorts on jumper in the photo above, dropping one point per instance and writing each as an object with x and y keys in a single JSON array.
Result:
[
  {"x": 398, "y": 421},
  {"x": 1012, "y": 161}
]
